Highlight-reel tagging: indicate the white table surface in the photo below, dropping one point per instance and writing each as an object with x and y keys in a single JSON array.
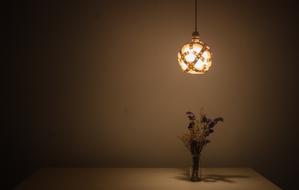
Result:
[{"x": 144, "y": 179}]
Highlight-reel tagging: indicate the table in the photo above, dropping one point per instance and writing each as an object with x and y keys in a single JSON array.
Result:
[{"x": 144, "y": 179}]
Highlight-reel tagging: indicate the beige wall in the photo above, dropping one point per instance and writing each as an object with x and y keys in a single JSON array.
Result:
[{"x": 101, "y": 86}]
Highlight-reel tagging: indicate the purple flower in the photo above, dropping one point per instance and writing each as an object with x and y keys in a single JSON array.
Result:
[{"x": 190, "y": 115}]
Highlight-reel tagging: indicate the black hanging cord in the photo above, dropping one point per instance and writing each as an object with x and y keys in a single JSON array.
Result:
[
  {"x": 195, "y": 16},
  {"x": 195, "y": 33}
]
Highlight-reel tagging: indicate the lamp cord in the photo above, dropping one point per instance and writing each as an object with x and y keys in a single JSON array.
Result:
[{"x": 195, "y": 26}]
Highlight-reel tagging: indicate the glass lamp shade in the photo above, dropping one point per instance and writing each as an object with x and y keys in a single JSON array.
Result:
[{"x": 195, "y": 57}]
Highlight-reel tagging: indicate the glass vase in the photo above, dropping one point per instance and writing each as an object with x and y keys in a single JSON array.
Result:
[{"x": 196, "y": 170}]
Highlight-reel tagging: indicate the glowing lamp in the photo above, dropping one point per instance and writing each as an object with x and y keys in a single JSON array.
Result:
[{"x": 195, "y": 57}]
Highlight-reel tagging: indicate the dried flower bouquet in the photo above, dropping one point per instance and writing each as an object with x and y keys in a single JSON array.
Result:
[{"x": 199, "y": 129}]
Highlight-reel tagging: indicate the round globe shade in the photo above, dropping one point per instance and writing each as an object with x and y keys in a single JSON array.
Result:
[{"x": 195, "y": 57}]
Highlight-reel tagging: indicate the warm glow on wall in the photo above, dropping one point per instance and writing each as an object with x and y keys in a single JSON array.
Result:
[{"x": 195, "y": 57}]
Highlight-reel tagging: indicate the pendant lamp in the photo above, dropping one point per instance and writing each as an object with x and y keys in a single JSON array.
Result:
[{"x": 195, "y": 57}]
